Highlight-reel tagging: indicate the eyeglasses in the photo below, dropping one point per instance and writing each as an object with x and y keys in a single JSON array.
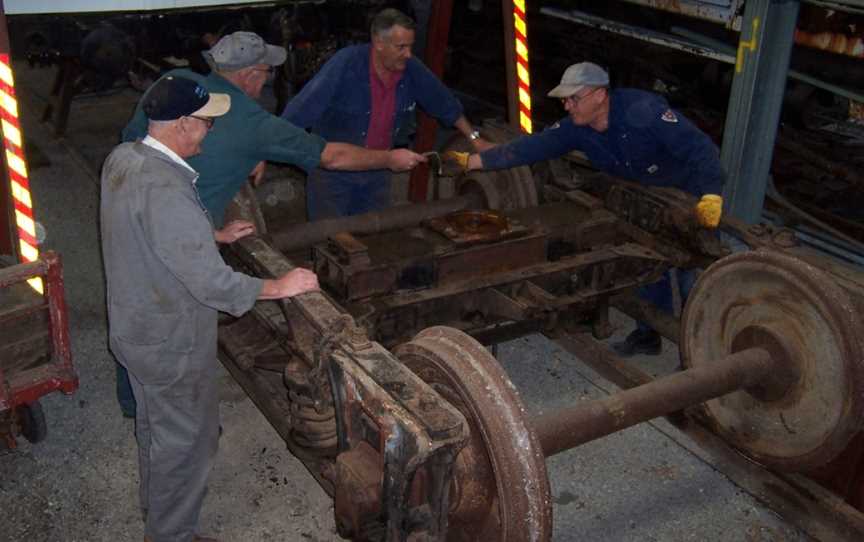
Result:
[
  {"x": 206, "y": 120},
  {"x": 575, "y": 98},
  {"x": 269, "y": 71}
]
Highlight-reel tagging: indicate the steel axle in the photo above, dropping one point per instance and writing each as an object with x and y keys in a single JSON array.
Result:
[{"x": 571, "y": 426}]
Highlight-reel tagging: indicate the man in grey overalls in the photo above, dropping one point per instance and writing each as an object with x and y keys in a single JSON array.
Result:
[{"x": 166, "y": 284}]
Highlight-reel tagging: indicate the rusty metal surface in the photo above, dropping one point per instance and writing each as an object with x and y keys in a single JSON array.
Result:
[
  {"x": 473, "y": 226},
  {"x": 309, "y": 233},
  {"x": 500, "y": 491},
  {"x": 573, "y": 255},
  {"x": 399, "y": 282},
  {"x": 799, "y": 500},
  {"x": 571, "y": 426},
  {"x": 374, "y": 399},
  {"x": 577, "y": 283},
  {"x": 381, "y": 402},
  {"x": 818, "y": 329}
]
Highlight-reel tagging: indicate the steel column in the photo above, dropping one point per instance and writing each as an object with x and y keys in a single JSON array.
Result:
[
  {"x": 435, "y": 53},
  {"x": 571, "y": 426},
  {"x": 510, "y": 64},
  {"x": 761, "y": 69}
]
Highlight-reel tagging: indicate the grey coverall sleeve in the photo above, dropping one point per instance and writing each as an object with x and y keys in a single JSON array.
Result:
[{"x": 182, "y": 239}]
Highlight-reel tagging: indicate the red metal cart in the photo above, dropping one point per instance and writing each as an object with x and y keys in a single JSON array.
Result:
[{"x": 35, "y": 354}]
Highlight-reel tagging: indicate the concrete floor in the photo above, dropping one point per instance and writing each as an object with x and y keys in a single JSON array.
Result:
[{"x": 81, "y": 483}]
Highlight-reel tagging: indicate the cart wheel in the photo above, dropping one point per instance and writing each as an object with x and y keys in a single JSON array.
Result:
[{"x": 31, "y": 417}]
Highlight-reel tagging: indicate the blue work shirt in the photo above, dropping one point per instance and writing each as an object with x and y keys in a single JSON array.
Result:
[
  {"x": 646, "y": 141},
  {"x": 336, "y": 104},
  {"x": 244, "y": 136}
]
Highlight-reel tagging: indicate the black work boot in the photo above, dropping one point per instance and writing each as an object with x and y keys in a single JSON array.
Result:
[{"x": 639, "y": 342}]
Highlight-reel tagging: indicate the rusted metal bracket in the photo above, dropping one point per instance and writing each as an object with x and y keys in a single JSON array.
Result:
[{"x": 381, "y": 408}]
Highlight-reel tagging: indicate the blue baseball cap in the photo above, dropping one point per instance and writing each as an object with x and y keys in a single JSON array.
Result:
[{"x": 173, "y": 97}]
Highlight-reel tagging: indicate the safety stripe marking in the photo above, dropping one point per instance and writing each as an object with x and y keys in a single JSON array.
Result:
[{"x": 13, "y": 142}]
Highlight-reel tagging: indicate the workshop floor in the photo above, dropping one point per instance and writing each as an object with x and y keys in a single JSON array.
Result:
[{"x": 81, "y": 483}]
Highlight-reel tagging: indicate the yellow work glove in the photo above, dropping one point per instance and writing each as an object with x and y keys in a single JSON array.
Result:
[
  {"x": 460, "y": 158},
  {"x": 708, "y": 211}
]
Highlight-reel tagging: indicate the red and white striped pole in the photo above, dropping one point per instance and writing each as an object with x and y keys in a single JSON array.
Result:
[
  {"x": 16, "y": 164},
  {"x": 520, "y": 31}
]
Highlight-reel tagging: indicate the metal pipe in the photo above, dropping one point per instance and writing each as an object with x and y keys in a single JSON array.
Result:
[
  {"x": 822, "y": 241},
  {"x": 401, "y": 216},
  {"x": 571, "y": 426},
  {"x": 729, "y": 51},
  {"x": 639, "y": 33}
]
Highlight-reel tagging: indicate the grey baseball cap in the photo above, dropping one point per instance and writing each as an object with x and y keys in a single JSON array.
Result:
[
  {"x": 241, "y": 50},
  {"x": 579, "y": 76}
]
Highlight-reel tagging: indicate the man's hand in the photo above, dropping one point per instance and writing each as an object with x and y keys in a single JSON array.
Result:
[
  {"x": 709, "y": 210},
  {"x": 236, "y": 229},
  {"x": 256, "y": 176},
  {"x": 295, "y": 282},
  {"x": 404, "y": 159}
]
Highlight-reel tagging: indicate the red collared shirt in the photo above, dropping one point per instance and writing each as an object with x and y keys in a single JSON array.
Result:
[{"x": 379, "y": 135}]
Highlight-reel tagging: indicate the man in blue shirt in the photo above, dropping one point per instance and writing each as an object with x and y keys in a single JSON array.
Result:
[
  {"x": 367, "y": 95},
  {"x": 632, "y": 134}
]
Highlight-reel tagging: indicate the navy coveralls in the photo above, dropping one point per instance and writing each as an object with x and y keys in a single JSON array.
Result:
[
  {"x": 646, "y": 141},
  {"x": 336, "y": 105}
]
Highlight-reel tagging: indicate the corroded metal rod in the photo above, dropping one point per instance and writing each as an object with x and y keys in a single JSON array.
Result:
[
  {"x": 401, "y": 216},
  {"x": 571, "y": 426}
]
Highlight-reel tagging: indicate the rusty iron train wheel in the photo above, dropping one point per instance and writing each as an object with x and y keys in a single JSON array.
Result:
[
  {"x": 504, "y": 189},
  {"x": 500, "y": 490},
  {"x": 812, "y": 406}
]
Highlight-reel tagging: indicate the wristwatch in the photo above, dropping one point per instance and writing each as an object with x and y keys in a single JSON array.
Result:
[{"x": 474, "y": 135}]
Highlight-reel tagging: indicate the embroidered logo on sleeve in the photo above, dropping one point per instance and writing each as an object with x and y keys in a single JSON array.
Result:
[
  {"x": 669, "y": 116},
  {"x": 652, "y": 169}
]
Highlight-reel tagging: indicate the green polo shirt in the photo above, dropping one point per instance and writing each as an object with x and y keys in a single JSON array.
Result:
[{"x": 241, "y": 138}]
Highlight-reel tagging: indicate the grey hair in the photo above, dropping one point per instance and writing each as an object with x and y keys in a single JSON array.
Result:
[
  {"x": 387, "y": 19},
  {"x": 159, "y": 123}
]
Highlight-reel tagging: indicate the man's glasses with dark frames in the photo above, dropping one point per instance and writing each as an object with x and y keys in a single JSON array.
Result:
[{"x": 206, "y": 120}]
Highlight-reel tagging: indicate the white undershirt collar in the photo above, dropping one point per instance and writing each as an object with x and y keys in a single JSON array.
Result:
[{"x": 152, "y": 142}]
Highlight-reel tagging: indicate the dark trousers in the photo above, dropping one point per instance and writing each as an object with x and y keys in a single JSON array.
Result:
[{"x": 660, "y": 293}]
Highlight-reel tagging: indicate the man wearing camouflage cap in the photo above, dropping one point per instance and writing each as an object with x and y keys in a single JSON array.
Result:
[{"x": 632, "y": 134}]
